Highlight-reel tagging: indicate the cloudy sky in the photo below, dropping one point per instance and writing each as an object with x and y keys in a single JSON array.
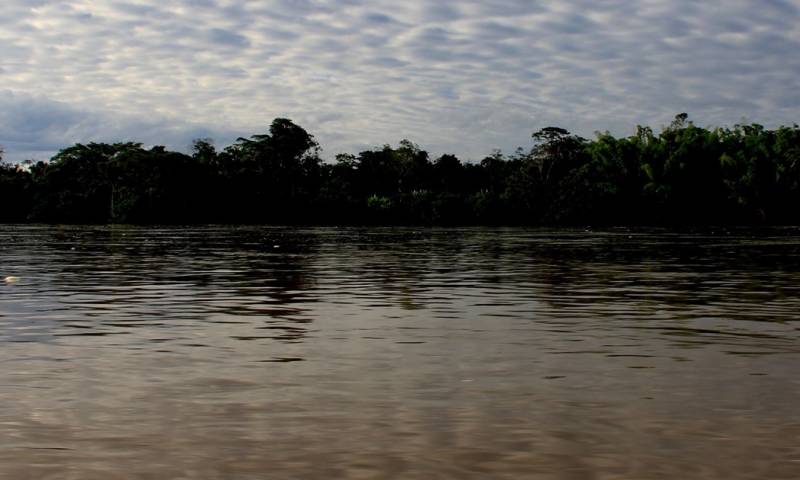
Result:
[{"x": 460, "y": 76}]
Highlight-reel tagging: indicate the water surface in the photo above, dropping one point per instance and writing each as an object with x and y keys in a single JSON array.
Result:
[{"x": 243, "y": 353}]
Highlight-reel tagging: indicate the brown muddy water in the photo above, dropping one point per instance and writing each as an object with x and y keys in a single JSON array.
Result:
[{"x": 324, "y": 353}]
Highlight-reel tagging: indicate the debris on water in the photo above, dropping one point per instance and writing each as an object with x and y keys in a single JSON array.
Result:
[{"x": 11, "y": 279}]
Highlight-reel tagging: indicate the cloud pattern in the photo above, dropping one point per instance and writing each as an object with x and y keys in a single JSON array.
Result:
[{"x": 462, "y": 76}]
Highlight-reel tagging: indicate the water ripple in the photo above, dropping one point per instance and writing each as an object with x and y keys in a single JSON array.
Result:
[{"x": 226, "y": 352}]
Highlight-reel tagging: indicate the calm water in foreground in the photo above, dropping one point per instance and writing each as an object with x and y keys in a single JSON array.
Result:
[{"x": 249, "y": 353}]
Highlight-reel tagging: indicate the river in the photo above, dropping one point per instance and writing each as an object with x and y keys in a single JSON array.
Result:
[{"x": 472, "y": 353}]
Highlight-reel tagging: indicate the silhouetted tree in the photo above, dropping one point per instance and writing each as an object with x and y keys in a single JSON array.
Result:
[
  {"x": 683, "y": 175},
  {"x": 15, "y": 193}
]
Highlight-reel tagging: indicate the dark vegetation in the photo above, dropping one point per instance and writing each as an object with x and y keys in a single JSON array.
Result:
[{"x": 684, "y": 175}]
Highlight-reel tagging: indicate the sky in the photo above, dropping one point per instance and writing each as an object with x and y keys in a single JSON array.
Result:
[{"x": 459, "y": 76}]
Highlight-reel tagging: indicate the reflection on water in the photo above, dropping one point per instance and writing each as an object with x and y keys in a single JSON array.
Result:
[{"x": 238, "y": 353}]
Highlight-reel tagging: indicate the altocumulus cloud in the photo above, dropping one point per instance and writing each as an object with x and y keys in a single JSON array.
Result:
[{"x": 459, "y": 76}]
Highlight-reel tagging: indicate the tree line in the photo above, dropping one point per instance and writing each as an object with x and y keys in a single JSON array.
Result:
[{"x": 685, "y": 174}]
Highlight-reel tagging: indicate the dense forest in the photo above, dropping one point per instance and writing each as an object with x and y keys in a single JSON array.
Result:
[{"x": 683, "y": 175}]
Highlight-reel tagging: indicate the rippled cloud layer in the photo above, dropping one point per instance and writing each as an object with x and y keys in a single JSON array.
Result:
[{"x": 460, "y": 76}]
